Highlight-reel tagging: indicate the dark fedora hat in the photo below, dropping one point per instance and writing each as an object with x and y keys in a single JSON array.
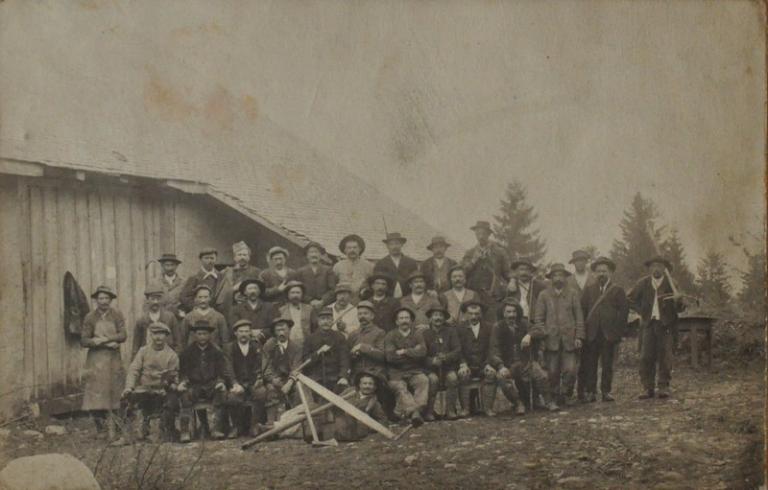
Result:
[
  {"x": 579, "y": 255},
  {"x": 416, "y": 275},
  {"x": 106, "y": 290},
  {"x": 472, "y": 302},
  {"x": 658, "y": 259},
  {"x": 202, "y": 325},
  {"x": 603, "y": 260},
  {"x": 482, "y": 225},
  {"x": 281, "y": 319},
  {"x": 316, "y": 245},
  {"x": 169, "y": 258},
  {"x": 438, "y": 240},
  {"x": 404, "y": 308},
  {"x": 251, "y": 280},
  {"x": 355, "y": 238},
  {"x": 557, "y": 267},
  {"x": 517, "y": 263},
  {"x": 384, "y": 277},
  {"x": 295, "y": 284},
  {"x": 395, "y": 237},
  {"x": 439, "y": 308}
]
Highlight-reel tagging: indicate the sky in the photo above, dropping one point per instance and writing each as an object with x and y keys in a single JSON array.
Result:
[{"x": 439, "y": 104}]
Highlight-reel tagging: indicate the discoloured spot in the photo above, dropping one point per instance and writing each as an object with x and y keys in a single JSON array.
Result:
[
  {"x": 193, "y": 31},
  {"x": 119, "y": 156},
  {"x": 164, "y": 100},
  {"x": 250, "y": 107},
  {"x": 219, "y": 108}
]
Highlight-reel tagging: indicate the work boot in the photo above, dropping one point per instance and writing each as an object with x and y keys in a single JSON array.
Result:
[
  {"x": 144, "y": 430},
  {"x": 591, "y": 398},
  {"x": 645, "y": 396},
  {"x": 184, "y": 435},
  {"x": 519, "y": 408},
  {"x": 464, "y": 399},
  {"x": 663, "y": 393},
  {"x": 416, "y": 419},
  {"x": 488, "y": 398},
  {"x": 552, "y": 406},
  {"x": 607, "y": 397},
  {"x": 451, "y": 397}
]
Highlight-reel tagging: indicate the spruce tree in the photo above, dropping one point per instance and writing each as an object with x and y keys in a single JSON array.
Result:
[
  {"x": 713, "y": 283},
  {"x": 639, "y": 236},
  {"x": 673, "y": 250},
  {"x": 515, "y": 225}
]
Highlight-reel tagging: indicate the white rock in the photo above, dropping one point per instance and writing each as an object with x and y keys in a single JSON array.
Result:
[
  {"x": 410, "y": 459},
  {"x": 56, "y": 430},
  {"x": 31, "y": 433},
  {"x": 5, "y": 432},
  {"x": 47, "y": 471}
]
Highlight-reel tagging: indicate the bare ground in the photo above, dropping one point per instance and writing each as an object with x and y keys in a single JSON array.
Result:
[{"x": 708, "y": 435}]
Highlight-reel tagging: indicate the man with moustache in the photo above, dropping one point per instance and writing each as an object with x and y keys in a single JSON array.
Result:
[
  {"x": 396, "y": 264},
  {"x": 155, "y": 313},
  {"x": 487, "y": 266},
  {"x": 419, "y": 300},
  {"x": 226, "y": 296},
  {"x": 172, "y": 284},
  {"x": 328, "y": 353},
  {"x": 524, "y": 287},
  {"x": 254, "y": 308},
  {"x": 280, "y": 358},
  {"x": 277, "y": 276},
  {"x": 203, "y": 311},
  {"x": 457, "y": 295},
  {"x": 318, "y": 278},
  {"x": 437, "y": 268},
  {"x": 384, "y": 305},
  {"x": 475, "y": 338},
  {"x": 207, "y": 276},
  {"x": 304, "y": 316},
  {"x": 442, "y": 361},
  {"x": 353, "y": 269},
  {"x": 405, "y": 349}
]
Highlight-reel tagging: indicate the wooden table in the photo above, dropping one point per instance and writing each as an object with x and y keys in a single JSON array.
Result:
[{"x": 694, "y": 325}]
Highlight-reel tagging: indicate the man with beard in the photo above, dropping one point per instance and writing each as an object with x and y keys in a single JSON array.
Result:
[
  {"x": 366, "y": 346},
  {"x": 318, "y": 278},
  {"x": 203, "y": 311},
  {"x": 304, "y": 316},
  {"x": 353, "y": 269},
  {"x": 579, "y": 281},
  {"x": 277, "y": 276},
  {"x": 487, "y": 266},
  {"x": 155, "y": 314},
  {"x": 654, "y": 299},
  {"x": 344, "y": 312},
  {"x": 328, "y": 366},
  {"x": 606, "y": 307},
  {"x": 384, "y": 305},
  {"x": 438, "y": 267},
  {"x": 475, "y": 338},
  {"x": 524, "y": 287},
  {"x": 226, "y": 295},
  {"x": 281, "y": 358},
  {"x": 396, "y": 264},
  {"x": 207, "y": 276},
  {"x": 457, "y": 295},
  {"x": 419, "y": 300},
  {"x": 442, "y": 361},
  {"x": 254, "y": 309},
  {"x": 511, "y": 341},
  {"x": 172, "y": 284},
  {"x": 558, "y": 312},
  {"x": 406, "y": 350}
]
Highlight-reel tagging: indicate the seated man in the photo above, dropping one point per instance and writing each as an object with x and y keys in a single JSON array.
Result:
[
  {"x": 281, "y": 358},
  {"x": 346, "y": 427},
  {"x": 150, "y": 384},
  {"x": 443, "y": 354},
  {"x": 474, "y": 336},
  {"x": 511, "y": 356},
  {"x": 367, "y": 354},
  {"x": 328, "y": 366},
  {"x": 205, "y": 374},
  {"x": 246, "y": 400},
  {"x": 406, "y": 350}
]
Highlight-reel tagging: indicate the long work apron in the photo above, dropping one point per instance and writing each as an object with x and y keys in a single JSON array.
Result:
[{"x": 104, "y": 373}]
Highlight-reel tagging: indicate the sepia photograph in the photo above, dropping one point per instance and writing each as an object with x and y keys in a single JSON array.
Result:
[{"x": 383, "y": 244}]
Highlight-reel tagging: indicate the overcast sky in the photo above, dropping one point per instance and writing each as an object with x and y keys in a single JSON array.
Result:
[{"x": 442, "y": 103}]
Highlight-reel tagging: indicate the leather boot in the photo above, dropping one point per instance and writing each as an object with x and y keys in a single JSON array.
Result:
[
  {"x": 184, "y": 417},
  {"x": 464, "y": 398},
  {"x": 219, "y": 423},
  {"x": 519, "y": 408},
  {"x": 451, "y": 397},
  {"x": 488, "y": 396}
]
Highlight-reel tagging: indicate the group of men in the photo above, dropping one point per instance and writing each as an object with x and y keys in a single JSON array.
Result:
[{"x": 410, "y": 329}]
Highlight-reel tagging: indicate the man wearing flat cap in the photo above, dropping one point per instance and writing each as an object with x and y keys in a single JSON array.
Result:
[
  {"x": 154, "y": 313},
  {"x": 203, "y": 311},
  {"x": 277, "y": 275},
  {"x": 384, "y": 305},
  {"x": 227, "y": 295},
  {"x": 344, "y": 312},
  {"x": 437, "y": 268},
  {"x": 255, "y": 309},
  {"x": 353, "y": 269},
  {"x": 318, "y": 278},
  {"x": 606, "y": 308},
  {"x": 405, "y": 349},
  {"x": 487, "y": 265},
  {"x": 396, "y": 264},
  {"x": 172, "y": 284},
  {"x": 304, "y": 316},
  {"x": 419, "y": 300},
  {"x": 328, "y": 353},
  {"x": 655, "y": 300},
  {"x": 558, "y": 312},
  {"x": 441, "y": 361},
  {"x": 207, "y": 276}
]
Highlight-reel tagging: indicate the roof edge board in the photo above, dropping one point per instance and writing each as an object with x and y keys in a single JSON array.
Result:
[{"x": 21, "y": 167}]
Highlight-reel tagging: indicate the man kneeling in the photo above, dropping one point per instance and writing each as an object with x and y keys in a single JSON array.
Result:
[
  {"x": 346, "y": 427},
  {"x": 150, "y": 385}
]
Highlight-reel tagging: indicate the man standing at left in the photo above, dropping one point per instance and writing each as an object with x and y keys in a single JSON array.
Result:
[{"x": 396, "y": 264}]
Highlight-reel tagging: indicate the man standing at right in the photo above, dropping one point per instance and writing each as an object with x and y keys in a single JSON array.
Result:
[
  {"x": 558, "y": 313},
  {"x": 656, "y": 303},
  {"x": 606, "y": 308}
]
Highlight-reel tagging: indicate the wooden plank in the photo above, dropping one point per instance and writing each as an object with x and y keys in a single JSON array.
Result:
[
  {"x": 84, "y": 264},
  {"x": 96, "y": 236},
  {"x": 156, "y": 211},
  {"x": 167, "y": 225},
  {"x": 18, "y": 167},
  {"x": 38, "y": 326},
  {"x": 68, "y": 260},
  {"x": 25, "y": 235},
  {"x": 55, "y": 340},
  {"x": 125, "y": 286},
  {"x": 138, "y": 246}
]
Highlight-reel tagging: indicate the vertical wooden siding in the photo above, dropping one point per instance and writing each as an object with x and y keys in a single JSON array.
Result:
[{"x": 103, "y": 235}]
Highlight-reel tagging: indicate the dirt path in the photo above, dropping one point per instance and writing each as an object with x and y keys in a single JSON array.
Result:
[{"x": 709, "y": 435}]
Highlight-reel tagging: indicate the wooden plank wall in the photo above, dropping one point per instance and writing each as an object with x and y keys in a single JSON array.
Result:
[{"x": 103, "y": 235}]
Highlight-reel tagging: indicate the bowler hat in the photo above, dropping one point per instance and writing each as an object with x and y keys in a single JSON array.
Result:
[
  {"x": 557, "y": 267},
  {"x": 366, "y": 304},
  {"x": 517, "y": 263},
  {"x": 316, "y": 245},
  {"x": 439, "y": 308},
  {"x": 207, "y": 251},
  {"x": 395, "y": 237},
  {"x": 277, "y": 321},
  {"x": 355, "y": 238},
  {"x": 472, "y": 302},
  {"x": 384, "y": 277},
  {"x": 153, "y": 289},
  {"x": 342, "y": 287},
  {"x": 155, "y": 327},
  {"x": 579, "y": 255},
  {"x": 659, "y": 260},
  {"x": 169, "y": 258},
  {"x": 438, "y": 240},
  {"x": 241, "y": 323},
  {"x": 482, "y": 225},
  {"x": 252, "y": 280},
  {"x": 603, "y": 260},
  {"x": 277, "y": 250},
  {"x": 104, "y": 289},
  {"x": 404, "y": 308},
  {"x": 202, "y": 325}
]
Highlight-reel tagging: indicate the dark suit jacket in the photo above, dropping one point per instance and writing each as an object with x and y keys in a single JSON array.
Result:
[
  {"x": 610, "y": 316},
  {"x": 641, "y": 300},
  {"x": 475, "y": 352},
  {"x": 534, "y": 291},
  {"x": 385, "y": 312},
  {"x": 280, "y": 365},
  {"x": 407, "y": 267},
  {"x": 320, "y": 285},
  {"x": 246, "y": 369},
  {"x": 429, "y": 268}
]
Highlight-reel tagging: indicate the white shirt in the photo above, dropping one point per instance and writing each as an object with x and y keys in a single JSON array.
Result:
[
  {"x": 211, "y": 273},
  {"x": 169, "y": 279},
  {"x": 524, "y": 290},
  {"x": 416, "y": 298},
  {"x": 656, "y": 312},
  {"x": 297, "y": 331},
  {"x": 475, "y": 329},
  {"x": 398, "y": 292},
  {"x": 154, "y": 316},
  {"x": 460, "y": 294},
  {"x": 283, "y": 346},
  {"x": 244, "y": 348}
]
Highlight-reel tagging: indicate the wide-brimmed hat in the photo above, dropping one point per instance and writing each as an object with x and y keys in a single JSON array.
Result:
[
  {"x": 482, "y": 225},
  {"x": 295, "y": 284},
  {"x": 517, "y": 263},
  {"x": 603, "y": 260},
  {"x": 439, "y": 308},
  {"x": 202, "y": 325},
  {"x": 159, "y": 327},
  {"x": 385, "y": 277},
  {"x": 557, "y": 267},
  {"x": 356, "y": 378},
  {"x": 579, "y": 255},
  {"x": 106, "y": 290},
  {"x": 366, "y": 304},
  {"x": 153, "y": 289},
  {"x": 403, "y": 308},
  {"x": 416, "y": 275},
  {"x": 207, "y": 251},
  {"x": 279, "y": 320},
  {"x": 251, "y": 280},
  {"x": 313, "y": 245},
  {"x": 510, "y": 301},
  {"x": 658, "y": 259},
  {"x": 169, "y": 258},
  {"x": 472, "y": 302},
  {"x": 342, "y": 287},
  {"x": 353, "y": 237},
  {"x": 438, "y": 240},
  {"x": 395, "y": 236},
  {"x": 242, "y": 323}
]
